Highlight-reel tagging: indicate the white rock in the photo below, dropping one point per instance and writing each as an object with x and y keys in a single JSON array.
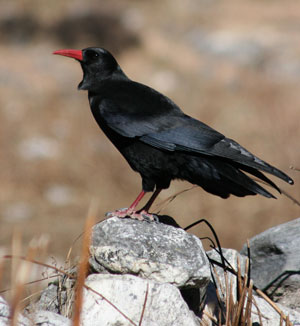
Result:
[
  {"x": 48, "y": 318},
  {"x": 270, "y": 317},
  {"x": 153, "y": 251},
  {"x": 164, "y": 304},
  {"x": 5, "y": 313}
]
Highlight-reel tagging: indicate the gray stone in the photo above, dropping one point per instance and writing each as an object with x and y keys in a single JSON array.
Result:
[
  {"x": 48, "y": 318},
  {"x": 58, "y": 297},
  {"x": 5, "y": 313},
  {"x": 231, "y": 257},
  {"x": 150, "y": 250},
  {"x": 39, "y": 318},
  {"x": 50, "y": 299},
  {"x": 4, "y": 308},
  {"x": 275, "y": 262},
  {"x": 164, "y": 304},
  {"x": 270, "y": 316}
]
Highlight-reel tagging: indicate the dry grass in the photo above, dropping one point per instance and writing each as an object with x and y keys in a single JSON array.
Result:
[{"x": 237, "y": 310}]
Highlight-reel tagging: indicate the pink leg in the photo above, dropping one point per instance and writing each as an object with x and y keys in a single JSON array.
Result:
[
  {"x": 150, "y": 201},
  {"x": 142, "y": 214},
  {"x": 136, "y": 202},
  {"x": 127, "y": 211}
]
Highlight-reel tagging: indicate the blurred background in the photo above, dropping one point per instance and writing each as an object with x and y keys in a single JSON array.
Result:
[{"x": 235, "y": 65}]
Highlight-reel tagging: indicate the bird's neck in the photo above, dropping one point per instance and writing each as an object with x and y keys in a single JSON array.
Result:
[{"x": 94, "y": 83}]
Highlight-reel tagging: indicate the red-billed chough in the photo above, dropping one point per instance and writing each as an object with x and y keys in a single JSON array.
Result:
[{"x": 161, "y": 142}]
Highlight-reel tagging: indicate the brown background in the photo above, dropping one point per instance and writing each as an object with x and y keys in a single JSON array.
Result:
[{"x": 233, "y": 64}]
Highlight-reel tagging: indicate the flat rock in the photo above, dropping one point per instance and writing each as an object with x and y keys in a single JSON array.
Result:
[
  {"x": 126, "y": 295},
  {"x": 153, "y": 251},
  {"x": 275, "y": 262}
]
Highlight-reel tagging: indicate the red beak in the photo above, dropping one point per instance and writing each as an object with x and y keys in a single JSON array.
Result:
[{"x": 76, "y": 54}]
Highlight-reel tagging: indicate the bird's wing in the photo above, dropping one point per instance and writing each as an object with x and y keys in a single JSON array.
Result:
[
  {"x": 170, "y": 131},
  {"x": 176, "y": 131},
  {"x": 196, "y": 138}
]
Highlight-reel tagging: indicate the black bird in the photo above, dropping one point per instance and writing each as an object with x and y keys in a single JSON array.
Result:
[{"x": 161, "y": 142}]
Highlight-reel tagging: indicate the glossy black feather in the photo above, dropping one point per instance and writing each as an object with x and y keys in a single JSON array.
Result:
[{"x": 161, "y": 142}]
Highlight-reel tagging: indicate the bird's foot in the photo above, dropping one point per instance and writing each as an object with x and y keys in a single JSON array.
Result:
[
  {"x": 143, "y": 215},
  {"x": 136, "y": 215},
  {"x": 122, "y": 212}
]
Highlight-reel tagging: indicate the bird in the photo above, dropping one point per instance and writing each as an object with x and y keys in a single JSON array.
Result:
[{"x": 160, "y": 141}]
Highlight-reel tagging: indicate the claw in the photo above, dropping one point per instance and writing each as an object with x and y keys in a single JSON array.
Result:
[
  {"x": 122, "y": 212},
  {"x": 144, "y": 216},
  {"x": 137, "y": 215}
]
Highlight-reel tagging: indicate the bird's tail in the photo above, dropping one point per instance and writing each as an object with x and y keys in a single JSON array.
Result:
[
  {"x": 222, "y": 178},
  {"x": 235, "y": 153}
]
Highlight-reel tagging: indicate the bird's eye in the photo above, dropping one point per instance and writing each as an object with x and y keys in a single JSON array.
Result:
[{"x": 92, "y": 55}]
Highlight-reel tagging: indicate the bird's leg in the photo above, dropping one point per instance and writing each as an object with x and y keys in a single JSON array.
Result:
[
  {"x": 136, "y": 202},
  {"x": 141, "y": 214},
  {"x": 150, "y": 201},
  {"x": 144, "y": 212},
  {"x": 127, "y": 211}
]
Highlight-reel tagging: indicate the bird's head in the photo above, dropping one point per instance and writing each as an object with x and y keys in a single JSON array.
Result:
[{"x": 97, "y": 64}]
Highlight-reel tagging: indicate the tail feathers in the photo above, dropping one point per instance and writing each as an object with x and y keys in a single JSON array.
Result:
[
  {"x": 222, "y": 178},
  {"x": 260, "y": 175},
  {"x": 229, "y": 149},
  {"x": 240, "y": 179}
]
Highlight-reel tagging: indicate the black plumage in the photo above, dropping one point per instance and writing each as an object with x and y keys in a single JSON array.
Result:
[{"x": 161, "y": 142}]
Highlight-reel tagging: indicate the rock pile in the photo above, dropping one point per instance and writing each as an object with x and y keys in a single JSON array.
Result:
[{"x": 155, "y": 274}]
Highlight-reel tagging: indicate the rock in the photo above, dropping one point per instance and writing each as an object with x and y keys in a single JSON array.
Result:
[
  {"x": 50, "y": 299},
  {"x": 58, "y": 297},
  {"x": 158, "y": 254},
  {"x": 275, "y": 262},
  {"x": 48, "y": 318},
  {"x": 231, "y": 257},
  {"x": 4, "y": 308},
  {"x": 270, "y": 316},
  {"x": 288, "y": 295},
  {"x": 150, "y": 250},
  {"x": 164, "y": 304},
  {"x": 194, "y": 298},
  {"x": 5, "y": 313},
  {"x": 44, "y": 318}
]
